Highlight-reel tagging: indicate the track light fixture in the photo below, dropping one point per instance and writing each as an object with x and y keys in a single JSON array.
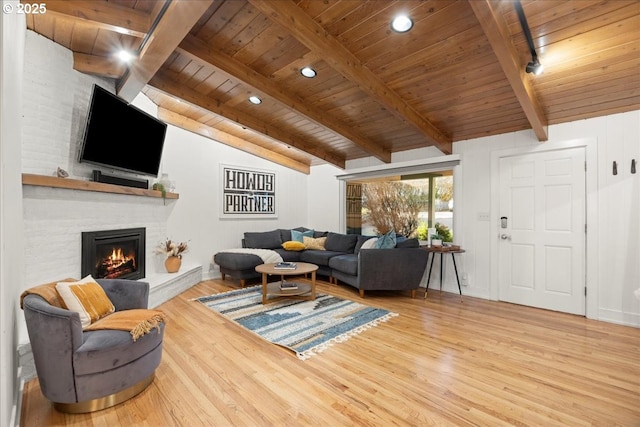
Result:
[{"x": 534, "y": 66}]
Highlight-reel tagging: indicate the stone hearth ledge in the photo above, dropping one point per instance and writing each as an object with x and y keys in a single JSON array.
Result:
[{"x": 164, "y": 286}]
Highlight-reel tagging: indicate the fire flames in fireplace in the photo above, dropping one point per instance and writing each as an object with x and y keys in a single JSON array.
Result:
[
  {"x": 116, "y": 264},
  {"x": 114, "y": 254}
]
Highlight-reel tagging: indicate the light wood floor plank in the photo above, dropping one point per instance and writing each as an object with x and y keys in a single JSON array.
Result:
[{"x": 440, "y": 362}]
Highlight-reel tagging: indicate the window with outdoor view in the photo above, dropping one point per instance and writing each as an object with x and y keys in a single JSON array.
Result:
[{"x": 418, "y": 205}]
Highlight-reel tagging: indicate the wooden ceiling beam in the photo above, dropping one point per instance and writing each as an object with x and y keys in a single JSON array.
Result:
[
  {"x": 164, "y": 83},
  {"x": 315, "y": 37},
  {"x": 173, "y": 25},
  {"x": 98, "y": 65},
  {"x": 497, "y": 32},
  {"x": 191, "y": 125},
  {"x": 200, "y": 51},
  {"x": 103, "y": 14}
]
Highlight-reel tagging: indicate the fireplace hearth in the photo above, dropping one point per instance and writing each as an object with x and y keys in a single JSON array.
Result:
[{"x": 111, "y": 254}]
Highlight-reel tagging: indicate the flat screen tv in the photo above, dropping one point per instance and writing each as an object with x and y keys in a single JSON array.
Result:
[{"x": 121, "y": 136}]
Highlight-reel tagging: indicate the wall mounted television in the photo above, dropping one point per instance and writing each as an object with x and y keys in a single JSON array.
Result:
[{"x": 121, "y": 136}]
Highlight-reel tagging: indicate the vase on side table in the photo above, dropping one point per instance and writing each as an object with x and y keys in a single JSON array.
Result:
[{"x": 172, "y": 264}]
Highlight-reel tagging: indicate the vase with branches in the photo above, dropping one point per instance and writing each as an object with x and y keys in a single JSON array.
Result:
[{"x": 173, "y": 251}]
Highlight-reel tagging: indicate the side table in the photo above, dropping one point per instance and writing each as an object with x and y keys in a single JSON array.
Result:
[{"x": 433, "y": 250}]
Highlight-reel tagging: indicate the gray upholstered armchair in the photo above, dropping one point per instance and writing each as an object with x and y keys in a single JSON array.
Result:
[{"x": 84, "y": 371}]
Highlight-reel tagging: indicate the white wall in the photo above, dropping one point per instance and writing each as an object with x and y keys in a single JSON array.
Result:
[
  {"x": 12, "y": 29},
  {"x": 323, "y": 198}
]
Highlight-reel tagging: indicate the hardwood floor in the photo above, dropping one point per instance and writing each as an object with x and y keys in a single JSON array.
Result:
[{"x": 441, "y": 362}]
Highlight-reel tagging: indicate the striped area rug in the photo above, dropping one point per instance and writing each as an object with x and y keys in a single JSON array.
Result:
[{"x": 304, "y": 327}]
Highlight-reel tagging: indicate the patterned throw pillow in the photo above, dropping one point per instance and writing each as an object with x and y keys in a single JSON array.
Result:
[
  {"x": 87, "y": 298},
  {"x": 317, "y": 244},
  {"x": 293, "y": 245}
]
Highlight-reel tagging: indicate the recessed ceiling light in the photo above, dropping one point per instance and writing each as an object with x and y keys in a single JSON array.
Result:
[
  {"x": 308, "y": 72},
  {"x": 255, "y": 100},
  {"x": 401, "y": 23}
]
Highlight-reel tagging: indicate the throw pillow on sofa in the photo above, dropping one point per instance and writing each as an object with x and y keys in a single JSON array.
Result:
[
  {"x": 369, "y": 244},
  {"x": 298, "y": 235},
  {"x": 337, "y": 242},
  {"x": 293, "y": 245},
  {"x": 317, "y": 244},
  {"x": 387, "y": 241},
  {"x": 263, "y": 240}
]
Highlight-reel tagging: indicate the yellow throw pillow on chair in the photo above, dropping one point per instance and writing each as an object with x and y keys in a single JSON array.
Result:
[{"x": 87, "y": 298}]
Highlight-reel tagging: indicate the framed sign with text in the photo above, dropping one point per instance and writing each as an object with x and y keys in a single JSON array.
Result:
[{"x": 247, "y": 193}]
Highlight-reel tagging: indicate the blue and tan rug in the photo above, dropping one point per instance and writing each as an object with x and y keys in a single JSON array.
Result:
[{"x": 304, "y": 327}]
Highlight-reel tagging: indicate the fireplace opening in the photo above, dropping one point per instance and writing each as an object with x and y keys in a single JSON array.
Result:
[{"x": 114, "y": 254}]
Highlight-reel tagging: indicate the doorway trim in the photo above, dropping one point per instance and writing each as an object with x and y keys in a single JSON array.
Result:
[{"x": 591, "y": 213}]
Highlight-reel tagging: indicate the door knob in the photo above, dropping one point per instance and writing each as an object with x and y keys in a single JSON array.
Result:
[{"x": 505, "y": 237}]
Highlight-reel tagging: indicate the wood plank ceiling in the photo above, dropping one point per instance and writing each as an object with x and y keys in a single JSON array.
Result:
[{"x": 459, "y": 73}]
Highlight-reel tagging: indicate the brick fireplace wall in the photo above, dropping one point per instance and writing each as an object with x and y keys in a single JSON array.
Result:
[{"x": 54, "y": 220}]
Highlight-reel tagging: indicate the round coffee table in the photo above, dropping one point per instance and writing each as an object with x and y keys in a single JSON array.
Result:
[{"x": 304, "y": 291}]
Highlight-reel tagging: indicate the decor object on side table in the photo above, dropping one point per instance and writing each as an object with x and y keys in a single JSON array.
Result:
[{"x": 174, "y": 252}]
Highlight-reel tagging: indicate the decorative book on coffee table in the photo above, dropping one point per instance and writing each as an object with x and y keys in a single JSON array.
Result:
[
  {"x": 285, "y": 266},
  {"x": 287, "y": 286}
]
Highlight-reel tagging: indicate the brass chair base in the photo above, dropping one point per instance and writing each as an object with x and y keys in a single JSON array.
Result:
[{"x": 104, "y": 402}]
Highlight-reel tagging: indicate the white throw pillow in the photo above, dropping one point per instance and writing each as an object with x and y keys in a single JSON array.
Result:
[{"x": 369, "y": 244}]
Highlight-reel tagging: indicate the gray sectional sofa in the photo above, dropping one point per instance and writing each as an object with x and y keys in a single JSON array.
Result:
[{"x": 400, "y": 267}]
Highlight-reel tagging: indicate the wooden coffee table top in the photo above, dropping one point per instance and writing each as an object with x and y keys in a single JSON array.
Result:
[{"x": 302, "y": 268}]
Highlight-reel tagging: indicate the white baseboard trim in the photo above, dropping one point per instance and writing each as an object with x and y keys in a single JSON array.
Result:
[
  {"x": 619, "y": 317},
  {"x": 16, "y": 409}
]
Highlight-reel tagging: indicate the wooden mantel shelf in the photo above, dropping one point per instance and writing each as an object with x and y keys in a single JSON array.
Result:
[{"x": 75, "y": 184}]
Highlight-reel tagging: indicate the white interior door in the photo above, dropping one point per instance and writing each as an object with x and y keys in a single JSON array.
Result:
[{"x": 542, "y": 245}]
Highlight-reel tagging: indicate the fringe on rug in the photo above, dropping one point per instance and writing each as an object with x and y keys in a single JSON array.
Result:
[{"x": 344, "y": 337}]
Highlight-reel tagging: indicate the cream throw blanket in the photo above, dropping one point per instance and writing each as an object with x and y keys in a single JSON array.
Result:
[{"x": 267, "y": 255}]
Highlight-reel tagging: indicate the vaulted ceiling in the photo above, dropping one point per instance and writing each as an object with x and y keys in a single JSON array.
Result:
[{"x": 459, "y": 73}]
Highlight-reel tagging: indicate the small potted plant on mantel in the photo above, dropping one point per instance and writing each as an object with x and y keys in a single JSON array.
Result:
[{"x": 173, "y": 251}]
